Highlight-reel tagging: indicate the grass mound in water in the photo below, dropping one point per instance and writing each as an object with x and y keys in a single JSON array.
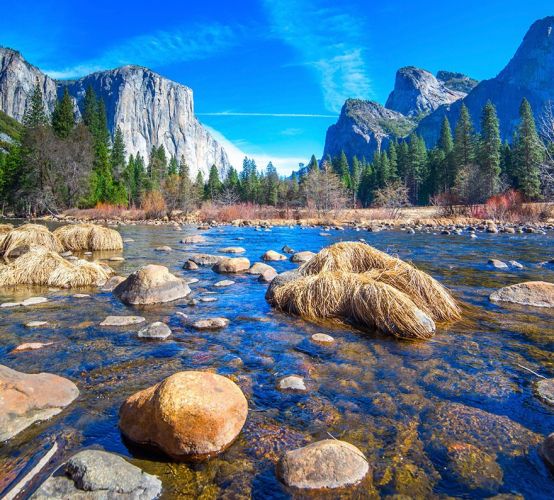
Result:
[
  {"x": 88, "y": 237},
  {"x": 354, "y": 283},
  {"x": 42, "y": 267},
  {"x": 20, "y": 239}
]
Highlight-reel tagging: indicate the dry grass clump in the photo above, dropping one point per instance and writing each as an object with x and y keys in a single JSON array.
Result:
[
  {"x": 5, "y": 228},
  {"x": 23, "y": 237},
  {"x": 354, "y": 257},
  {"x": 88, "y": 237},
  {"x": 42, "y": 267},
  {"x": 356, "y": 298}
]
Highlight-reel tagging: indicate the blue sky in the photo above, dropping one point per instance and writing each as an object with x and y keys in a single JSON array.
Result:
[{"x": 269, "y": 76}]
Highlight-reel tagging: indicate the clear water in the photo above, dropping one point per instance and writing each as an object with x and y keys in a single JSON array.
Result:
[{"x": 396, "y": 401}]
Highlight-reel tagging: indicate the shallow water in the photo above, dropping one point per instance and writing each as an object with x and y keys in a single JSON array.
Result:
[{"x": 399, "y": 402}]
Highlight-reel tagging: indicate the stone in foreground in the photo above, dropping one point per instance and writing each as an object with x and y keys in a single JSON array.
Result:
[
  {"x": 326, "y": 464},
  {"x": 545, "y": 390},
  {"x": 190, "y": 415},
  {"x": 267, "y": 276},
  {"x": 97, "y": 474},
  {"x": 122, "y": 320},
  {"x": 28, "y": 398},
  {"x": 232, "y": 265},
  {"x": 211, "y": 323},
  {"x": 151, "y": 284},
  {"x": 529, "y": 293},
  {"x": 156, "y": 330}
]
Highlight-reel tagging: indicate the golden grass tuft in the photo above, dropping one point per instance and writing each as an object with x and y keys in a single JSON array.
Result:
[
  {"x": 88, "y": 237},
  {"x": 5, "y": 228},
  {"x": 356, "y": 298},
  {"x": 42, "y": 267},
  {"x": 355, "y": 257},
  {"x": 23, "y": 237}
]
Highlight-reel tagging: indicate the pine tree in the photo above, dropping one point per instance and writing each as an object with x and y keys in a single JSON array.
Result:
[
  {"x": 35, "y": 116},
  {"x": 118, "y": 154},
  {"x": 90, "y": 110},
  {"x": 342, "y": 169},
  {"x": 213, "y": 186},
  {"x": 356, "y": 177},
  {"x": 173, "y": 167},
  {"x": 199, "y": 185},
  {"x": 393, "y": 162},
  {"x": 271, "y": 185},
  {"x": 416, "y": 166},
  {"x": 489, "y": 150},
  {"x": 528, "y": 153},
  {"x": 446, "y": 171},
  {"x": 464, "y": 143},
  {"x": 313, "y": 163},
  {"x": 63, "y": 119}
]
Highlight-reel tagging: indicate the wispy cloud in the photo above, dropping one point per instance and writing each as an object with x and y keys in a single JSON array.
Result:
[
  {"x": 159, "y": 48},
  {"x": 284, "y": 164},
  {"x": 274, "y": 115},
  {"x": 328, "y": 40}
]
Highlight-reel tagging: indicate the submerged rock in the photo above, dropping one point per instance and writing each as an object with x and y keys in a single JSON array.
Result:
[
  {"x": 36, "y": 324},
  {"x": 97, "y": 474},
  {"x": 210, "y": 323},
  {"x": 156, "y": 330},
  {"x": 529, "y": 293},
  {"x": 28, "y": 398},
  {"x": 189, "y": 415},
  {"x": 224, "y": 283},
  {"x": 326, "y": 464},
  {"x": 497, "y": 264},
  {"x": 122, "y": 320},
  {"x": 151, "y": 284},
  {"x": 322, "y": 338},
  {"x": 232, "y": 265},
  {"x": 232, "y": 250},
  {"x": 204, "y": 259},
  {"x": 31, "y": 346},
  {"x": 545, "y": 390},
  {"x": 193, "y": 239},
  {"x": 287, "y": 249},
  {"x": 292, "y": 383},
  {"x": 164, "y": 248}
]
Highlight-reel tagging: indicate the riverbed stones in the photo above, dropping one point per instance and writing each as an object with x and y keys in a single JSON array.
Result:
[
  {"x": 163, "y": 248},
  {"x": 497, "y": 264},
  {"x": 31, "y": 346},
  {"x": 96, "y": 474},
  {"x": 292, "y": 383},
  {"x": 122, "y": 320},
  {"x": 35, "y": 324},
  {"x": 301, "y": 257},
  {"x": 287, "y": 249},
  {"x": 271, "y": 255},
  {"x": 204, "y": 259},
  {"x": 267, "y": 276},
  {"x": 232, "y": 265},
  {"x": 322, "y": 338},
  {"x": 193, "y": 239},
  {"x": 326, "y": 464},
  {"x": 156, "y": 330},
  {"x": 151, "y": 284},
  {"x": 545, "y": 390},
  {"x": 210, "y": 324},
  {"x": 232, "y": 250},
  {"x": 190, "y": 265},
  {"x": 112, "y": 283},
  {"x": 28, "y": 398},
  {"x": 547, "y": 450},
  {"x": 260, "y": 268},
  {"x": 514, "y": 264},
  {"x": 529, "y": 293},
  {"x": 224, "y": 283},
  {"x": 190, "y": 415}
]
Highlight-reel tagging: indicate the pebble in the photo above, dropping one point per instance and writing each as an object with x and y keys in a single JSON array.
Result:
[
  {"x": 162, "y": 249},
  {"x": 323, "y": 338},
  {"x": 116, "y": 259},
  {"x": 292, "y": 383},
  {"x": 36, "y": 324},
  {"x": 81, "y": 295}
]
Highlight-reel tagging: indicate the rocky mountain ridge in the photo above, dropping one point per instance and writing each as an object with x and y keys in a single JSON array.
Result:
[{"x": 150, "y": 110}]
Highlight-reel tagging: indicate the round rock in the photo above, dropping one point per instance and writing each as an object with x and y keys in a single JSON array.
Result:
[
  {"x": 156, "y": 330},
  {"x": 326, "y": 464},
  {"x": 260, "y": 268},
  {"x": 322, "y": 338},
  {"x": 271, "y": 255},
  {"x": 190, "y": 415},
  {"x": 232, "y": 265}
]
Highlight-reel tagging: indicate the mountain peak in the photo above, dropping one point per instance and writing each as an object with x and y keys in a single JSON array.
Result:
[{"x": 418, "y": 92}]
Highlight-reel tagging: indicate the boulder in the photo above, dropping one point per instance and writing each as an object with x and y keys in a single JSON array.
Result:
[
  {"x": 28, "y": 398},
  {"x": 279, "y": 281},
  {"x": 112, "y": 283},
  {"x": 204, "y": 259},
  {"x": 189, "y": 265},
  {"x": 324, "y": 464},
  {"x": 301, "y": 257},
  {"x": 547, "y": 450},
  {"x": 529, "y": 293},
  {"x": 259, "y": 268},
  {"x": 156, "y": 330},
  {"x": 267, "y": 276},
  {"x": 545, "y": 390},
  {"x": 122, "y": 320},
  {"x": 96, "y": 474},
  {"x": 189, "y": 415},
  {"x": 210, "y": 324},
  {"x": 151, "y": 284},
  {"x": 271, "y": 255},
  {"x": 232, "y": 265},
  {"x": 232, "y": 250}
]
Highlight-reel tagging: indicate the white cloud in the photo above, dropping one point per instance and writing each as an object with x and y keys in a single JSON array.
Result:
[
  {"x": 284, "y": 164},
  {"x": 329, "y": 41},
  {"x": 158, "y": 48}
]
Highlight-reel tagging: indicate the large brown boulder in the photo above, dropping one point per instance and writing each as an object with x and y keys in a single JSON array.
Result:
[
  {"x": 530, "y": 293},
  {"x": 28, "y": 398},
  {"x": 151, "y": 284},
  {"x": 190, "y": 415},
  {"x": 322, "y": 465},
  {"x": 232, "y": 265}
]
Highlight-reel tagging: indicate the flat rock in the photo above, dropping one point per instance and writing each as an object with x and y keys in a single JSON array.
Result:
[
  {"x": 156, "y": 330},
  {"x": 497, "y": 264},
  {"x": 301, "y": 257},
  {"x": 96, "y": 474},
  {"x": 529, "y": 293},
  {"x": 151, "y": 284},
  {"x": 189, "y": 415},
  {"x": 545, "y": 390},
  {"x": 210, "y": 323},
  {"x": 515, "y": 264},
  {"x": 33, "y": 301},
  {"x": 271, "y": 255},
  {"x": 232, "y": 265},
  {"x": 122, "y": 320},
  {"x": 322, "y": 338},
  {"x": 81, "y": 296},
  {"x": 116, "y": 259},
  {"x": 193, "y": 239},
  {"x": 326, "y": 464},
  {"x": 204, "y": 259},
  {"x": 28, "y": 398},
  {"x": 292, "y": 383},
  {"x": 232, "y": 250},
  {"x": 224, "y": 283},
  {"x": 260, "y": 268},
  {"x": 163, "y": 248},
  {"x": 11, "y": 304},
  {"x": 36, "y": 324},
  {"x": 31, "y": 346}
]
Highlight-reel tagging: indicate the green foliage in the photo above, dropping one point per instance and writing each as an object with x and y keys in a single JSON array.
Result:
[
  {"x": 35, "y": 115},
  {"x": 11, "y": 127},
  {"x": 63, "y": 119},
  {"x": 489, "y": 151},
  {"x": 214, "y": 185}
]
